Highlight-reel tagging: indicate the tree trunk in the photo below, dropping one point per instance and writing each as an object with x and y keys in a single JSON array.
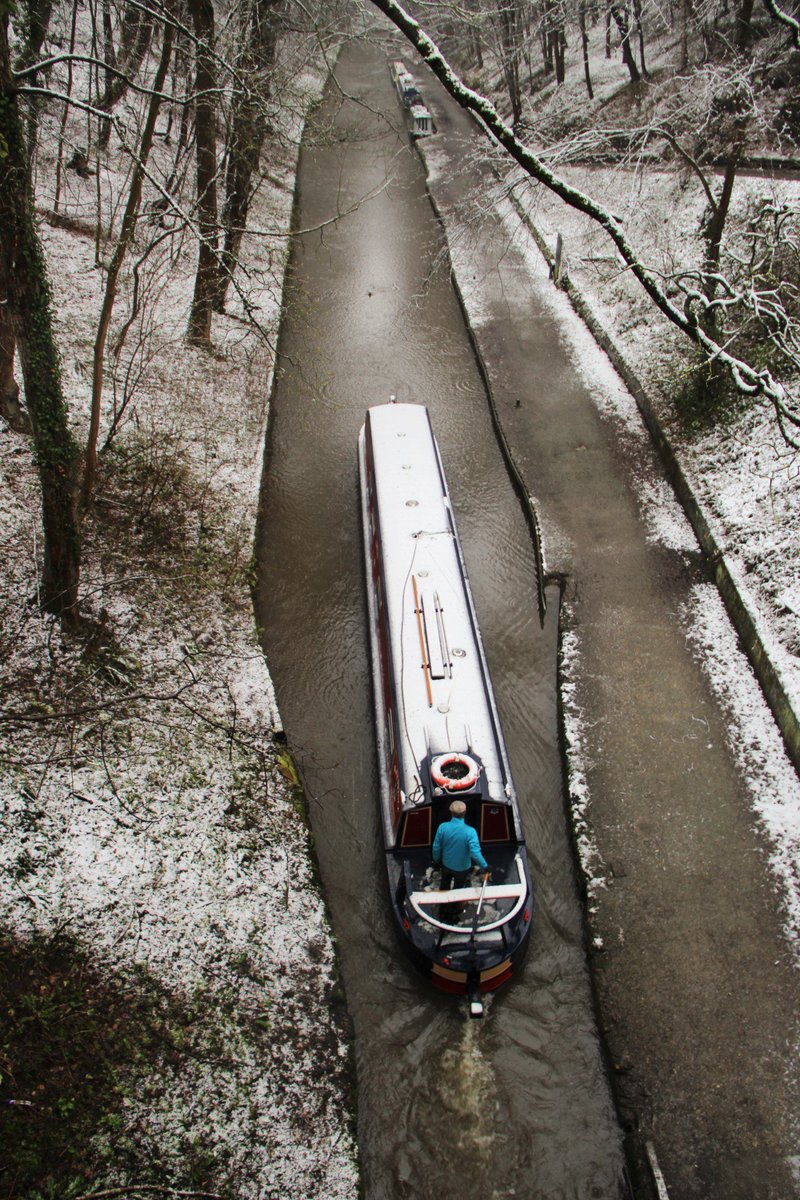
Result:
[
  {"x": 714, "y": 374},
  {"x": 247, "y": 138},
  {"x": 35, "y": 20},
  {"x": 743, "y": 26},
  {"x": 715, "y": 227},
  {"x": 559, "y": 49},
  {"x": 11, "y": 410},
  {"x": 25, "y": 289},
  {"x": 202, "y": 13},
  {"x": 110, "y": 61},
  {"x": 637, "y": 13},
  {"x": 477, "y": 49},
  {"x": 547, "y": 49},
  {"x": 585, "y": 48},
  {"x": 8, "y": 384}
]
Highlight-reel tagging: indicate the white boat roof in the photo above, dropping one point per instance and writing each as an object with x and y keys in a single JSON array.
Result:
[{"x": 449, "y": 707}]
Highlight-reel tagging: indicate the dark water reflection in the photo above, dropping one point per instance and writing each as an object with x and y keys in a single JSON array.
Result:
[{"x": 516, "y": 1105}]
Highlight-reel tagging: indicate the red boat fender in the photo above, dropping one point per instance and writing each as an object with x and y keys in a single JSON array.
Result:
[{"x": 465, "y": 772}]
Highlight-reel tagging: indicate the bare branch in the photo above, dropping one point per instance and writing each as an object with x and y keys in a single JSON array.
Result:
[
  {"x": 101, "y": 62},
  {"x": 134, "y": 1189},
  {"x": 785, "y": 19},
  {"x": 671, "y": 140}
]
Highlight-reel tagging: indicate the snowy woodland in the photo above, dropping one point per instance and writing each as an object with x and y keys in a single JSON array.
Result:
[{"x": 172, "y": 1019}]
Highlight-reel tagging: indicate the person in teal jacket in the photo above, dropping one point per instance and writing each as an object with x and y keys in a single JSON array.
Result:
[{"x": 457, "y": 848}]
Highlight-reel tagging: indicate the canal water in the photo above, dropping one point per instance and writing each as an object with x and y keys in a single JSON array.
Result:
[{"x": 515, "y": 1105}]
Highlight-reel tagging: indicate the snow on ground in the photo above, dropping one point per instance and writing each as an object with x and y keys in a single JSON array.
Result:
[
  {"x": 574, "y": 727},
  {"x": 754, "y": 742},
  {"x": 145, "y": 812}
]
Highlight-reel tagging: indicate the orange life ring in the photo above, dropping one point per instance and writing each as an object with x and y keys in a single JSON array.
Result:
[{"x": 454, "y": 772}]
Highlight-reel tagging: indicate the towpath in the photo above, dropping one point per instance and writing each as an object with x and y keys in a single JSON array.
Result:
[{"x": 697, "y": 988}]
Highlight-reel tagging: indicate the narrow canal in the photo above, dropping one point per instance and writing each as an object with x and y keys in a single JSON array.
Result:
[{"x": 516, "y": 1105}]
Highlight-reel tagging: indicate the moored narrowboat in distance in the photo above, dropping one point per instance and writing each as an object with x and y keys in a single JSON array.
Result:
[
  {"x": 437, "y": 726},
  {"x": 405, "y": 86},
  {"x": 420, "y": 120}
]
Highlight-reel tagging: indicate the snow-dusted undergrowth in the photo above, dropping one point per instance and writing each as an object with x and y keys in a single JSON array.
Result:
[{"x": 147, "y": 818}]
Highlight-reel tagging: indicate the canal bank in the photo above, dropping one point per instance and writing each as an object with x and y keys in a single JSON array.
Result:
[{"x": 695, "y": 982}]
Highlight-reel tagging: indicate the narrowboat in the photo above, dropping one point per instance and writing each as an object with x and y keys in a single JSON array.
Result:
[
  {"x": 405, "y": 86},
  {"x": 437, "y": 726},
  {"x": 420, "y": 120}
]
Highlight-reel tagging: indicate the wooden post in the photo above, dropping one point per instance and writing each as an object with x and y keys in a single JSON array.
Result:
[{"x": 555, "y": 274}]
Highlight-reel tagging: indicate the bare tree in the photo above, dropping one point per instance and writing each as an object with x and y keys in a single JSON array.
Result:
[
  {"x": 555, "y": 33},
  {"x": 621, "y": 15},
  {"x": 510, "y": 29},
  {"x": 637, "y": 16},
  {"x": 248, "y": 129},
  {"x": 744, "y": 17},
  {"x": 121, "y": 68},
  {"x": 691, "y": 317},
  {"x": 32, "y": 24},
  {"x": 65, "y": 107},
  {"x": 123, "y": 242},
  {"x": 790, "y": 23},
  {"x": 110, "y": 52}
]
